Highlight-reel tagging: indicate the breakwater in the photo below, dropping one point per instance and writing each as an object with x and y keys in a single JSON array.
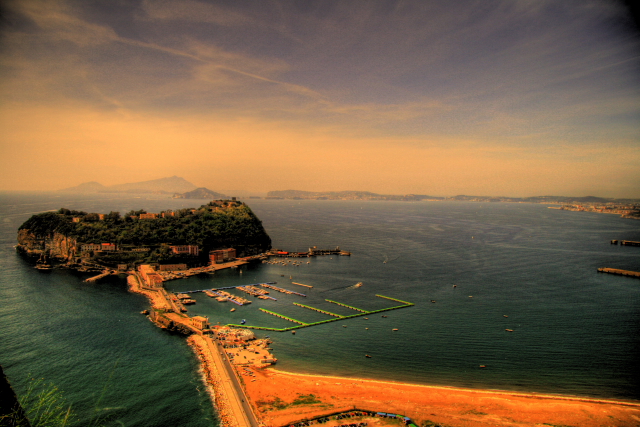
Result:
[{"x": 620, "y": 272}]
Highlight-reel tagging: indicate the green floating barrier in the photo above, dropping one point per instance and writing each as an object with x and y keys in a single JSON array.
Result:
[{"x": 337, "y": 316}]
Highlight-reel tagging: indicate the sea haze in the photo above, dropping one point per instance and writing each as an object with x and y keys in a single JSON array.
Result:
[{"x": 574, "y": 330}]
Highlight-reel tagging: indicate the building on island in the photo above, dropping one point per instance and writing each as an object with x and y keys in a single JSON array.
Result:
[
  {"x": 173, "y": 267},
  {"x": 148, "y": 216},
  {"x": 200, "y": 322},
  {"x": 185, "y": 250},
  {"x": 88, "y": 247},
  {"x": 222, "y": 255},
  {"x": 151, "y": 279}
]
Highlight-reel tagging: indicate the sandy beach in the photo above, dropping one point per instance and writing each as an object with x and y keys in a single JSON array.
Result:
[{"x": 447, "y": 406}]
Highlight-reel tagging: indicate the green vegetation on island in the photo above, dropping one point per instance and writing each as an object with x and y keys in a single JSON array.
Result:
[{"x": 140, "y": 236}]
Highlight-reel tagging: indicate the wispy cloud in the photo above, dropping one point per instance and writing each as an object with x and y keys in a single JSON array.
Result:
[{"x": 548, "y": 86}]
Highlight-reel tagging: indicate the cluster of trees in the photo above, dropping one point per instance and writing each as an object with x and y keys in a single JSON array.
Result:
[{"x": 210, "y": 228}]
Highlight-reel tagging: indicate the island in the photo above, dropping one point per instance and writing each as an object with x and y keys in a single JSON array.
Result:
[{"x": 189, "y": 237}]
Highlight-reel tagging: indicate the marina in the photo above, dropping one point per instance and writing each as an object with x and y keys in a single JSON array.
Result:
[{"x": 336, "y": 317}]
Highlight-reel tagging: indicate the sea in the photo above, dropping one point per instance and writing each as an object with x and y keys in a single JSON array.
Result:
[{"x": 472, "y": 270}]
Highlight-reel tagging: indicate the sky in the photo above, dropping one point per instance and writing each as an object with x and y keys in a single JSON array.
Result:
[{"x": 477, "y": 97}]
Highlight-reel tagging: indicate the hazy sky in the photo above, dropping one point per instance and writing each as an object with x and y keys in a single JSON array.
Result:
[{"x": 486, "y": 97}]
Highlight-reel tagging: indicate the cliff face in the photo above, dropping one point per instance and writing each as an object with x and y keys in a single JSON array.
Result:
[{"x": 57, "y": 245}]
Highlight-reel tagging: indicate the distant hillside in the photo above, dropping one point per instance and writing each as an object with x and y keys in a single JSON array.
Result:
[
  {"x": 346, "y": 195},
  {"x": 201, "y": 193},
  {"x": 174, "y": 184},
  {"x": 87, "y": 187}
]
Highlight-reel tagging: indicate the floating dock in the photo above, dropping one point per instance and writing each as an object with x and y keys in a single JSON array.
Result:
[
  {"x": 283, "y": 290},
  {"x": 300, "y": 284},
  {"x": 336, "y": 317},
  {"x": 620, "y": 272}
]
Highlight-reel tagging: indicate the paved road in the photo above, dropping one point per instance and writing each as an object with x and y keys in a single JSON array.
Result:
[{"x": 240, "y": 405}]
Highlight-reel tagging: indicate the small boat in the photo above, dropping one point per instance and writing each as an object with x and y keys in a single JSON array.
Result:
[
  {"x": 509, "y": 330},
  {"x": 384, "y": 315},
  {"x": 433, "y": 300},
  {"x": 233, "y": 309},
  {"x": 504, "y": 315},
  {"x": 366, "y": 318},
  {"x": 455, "y": 286},
  {"x": 367, "y": 329},
  {"x": 293, "y": 332},
  {"x": 242, "y": 322},
  {"x": 344, "y": 326},
  {"x": 144, "y": 312},
  {"x": 395, "y": 329},
  {"x": 357, "y": 285},
  {"x": 366, "y": 355},
  {"x": 483, "y": 366}
]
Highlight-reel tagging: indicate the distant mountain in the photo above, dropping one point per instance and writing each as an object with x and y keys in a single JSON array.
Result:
[
  {"x": 174, "y": 184},
  {"x": 87, "y": 187},
  {"x": 346, "y": 195},
  {"x": 201, "y": 193}
]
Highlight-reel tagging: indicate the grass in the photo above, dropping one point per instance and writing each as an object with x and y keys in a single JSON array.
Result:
[
  {"x": 279, "y": 404},
  {"x": 45, "y": 406}
]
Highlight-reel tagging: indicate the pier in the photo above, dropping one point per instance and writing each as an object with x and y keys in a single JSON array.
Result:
[
  {"x": 348, "y": 306},
  {"x": 300, "y": 284},
  {"x": 282, "y": 316},
  {"x": 99, "y": 276},
  {"x": 283, "y": 290},
  {"x": 317, "y": 309},
  {"x": 620, "y": 272}
]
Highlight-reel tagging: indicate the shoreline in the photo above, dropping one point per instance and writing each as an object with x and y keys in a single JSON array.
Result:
[
  {"x": 444, "y": 405},
  {"x": 273, "y": 392},
  {"x": 532, "y": 394}
]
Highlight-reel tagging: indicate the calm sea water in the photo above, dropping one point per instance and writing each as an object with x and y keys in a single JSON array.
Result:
[{"x": 575, "y": 331}]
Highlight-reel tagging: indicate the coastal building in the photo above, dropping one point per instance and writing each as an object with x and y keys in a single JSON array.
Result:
[
  {"x": 185, "y": 250},
  {"x": 151, "y": 279},
  {"x": 200, "y": 322},
  {"x": 148, "y": 216},
  {"x": 108, "y": 247},
  {"x": 222, "y": 255},
  {"x": 167, "y": 214},
  {"x": 90, "y": 247},
  {"x": 173, "y": 267}
]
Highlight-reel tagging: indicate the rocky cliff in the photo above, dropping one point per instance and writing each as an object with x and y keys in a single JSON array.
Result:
[{"x": 56, "y": 245}]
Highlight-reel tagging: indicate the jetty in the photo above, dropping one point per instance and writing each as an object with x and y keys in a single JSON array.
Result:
[
  {"x": 99, "y": 276},
  {"x": 300, "y": 284},
  {"x": 620, "y": 272},
  {"x": 283, "y": 290}
]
